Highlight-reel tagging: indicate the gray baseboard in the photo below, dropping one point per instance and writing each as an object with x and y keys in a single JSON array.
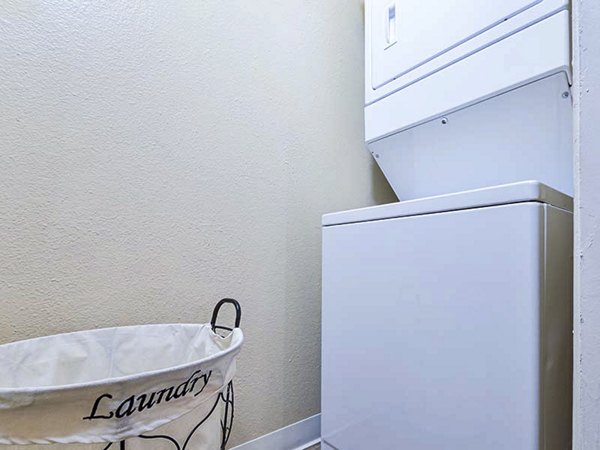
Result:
[{"x": 296, "y": 436}]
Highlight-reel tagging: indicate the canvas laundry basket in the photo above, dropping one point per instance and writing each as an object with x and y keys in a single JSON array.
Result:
[{"x": 151, "y": 387}]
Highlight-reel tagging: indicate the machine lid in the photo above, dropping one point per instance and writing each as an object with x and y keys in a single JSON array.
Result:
[{"x": 525, "y": 191}]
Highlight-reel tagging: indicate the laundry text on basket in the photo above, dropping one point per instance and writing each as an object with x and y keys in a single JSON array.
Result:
[{"x": 138, "y": 403}]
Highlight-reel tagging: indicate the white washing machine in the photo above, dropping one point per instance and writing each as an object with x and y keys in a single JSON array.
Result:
[{"x": 447, "y": 323}]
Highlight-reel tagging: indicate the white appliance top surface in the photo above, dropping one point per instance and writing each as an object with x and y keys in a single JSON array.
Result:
[{"x": 526, "y": 191}]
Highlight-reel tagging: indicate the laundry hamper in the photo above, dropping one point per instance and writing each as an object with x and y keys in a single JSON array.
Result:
[{"x": 150, "y": 387}]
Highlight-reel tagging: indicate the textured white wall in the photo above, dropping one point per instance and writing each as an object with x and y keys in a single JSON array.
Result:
[
  {"x": 586, "y": 31},
  {"x": 156, "y": 156}
]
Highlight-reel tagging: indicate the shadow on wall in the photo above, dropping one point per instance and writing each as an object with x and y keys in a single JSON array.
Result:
[{"x": 381, "y": 189}]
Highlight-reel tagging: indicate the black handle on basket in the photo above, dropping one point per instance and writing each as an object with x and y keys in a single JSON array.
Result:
[{"x": 215, "y": 315}]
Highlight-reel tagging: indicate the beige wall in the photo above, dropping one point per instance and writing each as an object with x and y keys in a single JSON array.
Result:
[
  {"x": 586, "y": 86},
  {"x": 156, "y": 156}
]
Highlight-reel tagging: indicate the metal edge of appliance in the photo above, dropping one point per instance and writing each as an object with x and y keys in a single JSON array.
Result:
[{"x": 525, "y": 191}]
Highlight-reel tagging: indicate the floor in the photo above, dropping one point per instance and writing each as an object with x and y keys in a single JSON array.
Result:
[{"x": 314, "y": 447}]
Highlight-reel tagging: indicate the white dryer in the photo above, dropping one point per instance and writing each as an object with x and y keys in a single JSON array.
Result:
[
  {"x": 447, "y": 323},
  {"x": 466, "y": 94}
]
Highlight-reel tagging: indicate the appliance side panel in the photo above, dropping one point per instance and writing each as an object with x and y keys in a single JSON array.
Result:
[
  {"x": 557, "y": 330},
  {"x": 431, "y": 331}
]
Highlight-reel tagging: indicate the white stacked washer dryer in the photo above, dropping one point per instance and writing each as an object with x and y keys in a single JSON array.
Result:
[{"x": 447, "y": 317}]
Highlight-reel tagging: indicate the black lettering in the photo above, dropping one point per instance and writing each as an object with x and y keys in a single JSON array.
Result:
[
  {"x": 93, "y": 415},
  {"x": 146, "y": 405},
  {"x": 205, "y": 378},
  {"x": 181, "y": 389},
  {"x": 161, "y": 393},
  {"x": 126, "y": 408}
]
